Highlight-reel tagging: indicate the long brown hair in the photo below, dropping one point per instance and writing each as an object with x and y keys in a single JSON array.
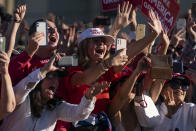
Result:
[
  {"x": 84, "y": 58},
  {"x": 36, "y": 101}
]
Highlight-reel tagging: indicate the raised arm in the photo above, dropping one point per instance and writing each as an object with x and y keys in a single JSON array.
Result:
[
  {"x": 18, "y": 64},
  {"x": 188, "y": 54},
  {"x": 156, "y": 28},
  {"x": 18, "y": 17},
  {"x": 7, "y": 98},
  {"x": 156, "y": 85},
  {"x": 26, "y": 85},
  {"x": 123, "y": 95},
  {"x": 73, "y": 112},
  {"x": 122, "y": 20},
  {"x": 91, "y": 74}
]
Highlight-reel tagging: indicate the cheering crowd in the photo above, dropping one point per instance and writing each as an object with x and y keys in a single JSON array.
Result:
[{"x": 108, "y": 90}]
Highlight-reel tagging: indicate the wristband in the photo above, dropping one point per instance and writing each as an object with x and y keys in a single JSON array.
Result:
[{"x": 17, "y": 21}]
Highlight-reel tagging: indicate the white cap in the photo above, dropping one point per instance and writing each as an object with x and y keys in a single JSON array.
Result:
[{"x": 95, "y": 32}]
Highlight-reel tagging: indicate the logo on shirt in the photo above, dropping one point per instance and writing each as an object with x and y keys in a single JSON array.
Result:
[{"x": 44, "y": 61}]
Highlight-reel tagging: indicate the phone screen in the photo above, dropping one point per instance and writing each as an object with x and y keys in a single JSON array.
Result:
[
  {"x": 121, "y": 44},
  {"x": 42, "y": 27}
]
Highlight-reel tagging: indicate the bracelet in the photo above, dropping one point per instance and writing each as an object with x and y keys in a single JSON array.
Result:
[{"x": 17, "y": 21}]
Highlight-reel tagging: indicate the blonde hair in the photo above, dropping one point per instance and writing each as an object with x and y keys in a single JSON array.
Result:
[{"x": 83, "y": 57}]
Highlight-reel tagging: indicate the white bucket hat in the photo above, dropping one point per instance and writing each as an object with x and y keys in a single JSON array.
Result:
[{"x": 95, "y": 32}]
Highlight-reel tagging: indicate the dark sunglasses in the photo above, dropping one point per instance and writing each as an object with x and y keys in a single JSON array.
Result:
[{"x": 175, "y": 84}]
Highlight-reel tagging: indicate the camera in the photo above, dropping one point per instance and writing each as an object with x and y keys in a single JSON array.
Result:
[{"x": 67, "y": 61}]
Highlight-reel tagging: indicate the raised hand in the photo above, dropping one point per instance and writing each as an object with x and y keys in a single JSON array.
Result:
[
  {"x": 122, "y": 18},
  {"x": 169, "y": 101},
  {"x": 118, "y": 59},
  {"x": 4, "y": 62},
  {"x": 133, "y": 24},
  {"x": 96, "y": 89},
  {"x": 125, "y": 36},
  {"x": 143, "y": 64},
  {"x": 50, "y": 66},
  {"x": 33, "y": 42},
  {"x": 191, "y": 27},
  {"x": 154, "y": 23},
  {"x": 19, "y": 13},
  {"x": 177, "y": 37},
  {"x": 72, "y": 33}
]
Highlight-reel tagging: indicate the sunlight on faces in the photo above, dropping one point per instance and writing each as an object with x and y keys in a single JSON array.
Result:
[
  {"x": 178, "y": 93},
  {"x": 49, "y": 86},
  {"x": 53, "y": 35},
  {"x": 97, "y": 48}
]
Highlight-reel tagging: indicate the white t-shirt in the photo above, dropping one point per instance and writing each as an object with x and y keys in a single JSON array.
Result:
[{"x": 183, "y": 120}]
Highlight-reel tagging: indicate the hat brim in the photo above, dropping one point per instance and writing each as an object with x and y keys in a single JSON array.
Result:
[{"x": 109, "y": 39}]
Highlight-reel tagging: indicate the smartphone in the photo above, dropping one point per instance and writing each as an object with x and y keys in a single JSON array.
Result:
[
  {"x": 2, "y": 43},
  {"x": 67, "y": 61},
  {"x": 140, "y": 31},
  {"x": 121, "y": 44},
  {"x": 42, "y": 27}
]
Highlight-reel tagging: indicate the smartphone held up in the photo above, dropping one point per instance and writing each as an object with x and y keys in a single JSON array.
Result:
[
  {"x": 121, "y": 44},
  {"x": 42, "y": 26}
]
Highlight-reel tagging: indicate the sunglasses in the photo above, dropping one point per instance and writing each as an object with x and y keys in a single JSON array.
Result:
[{"x": 175, "y": 84}]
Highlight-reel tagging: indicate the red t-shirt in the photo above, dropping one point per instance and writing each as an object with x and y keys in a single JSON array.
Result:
[
  {"x": 73, "y": 94},
  {"x": 21, "y": 65}
]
